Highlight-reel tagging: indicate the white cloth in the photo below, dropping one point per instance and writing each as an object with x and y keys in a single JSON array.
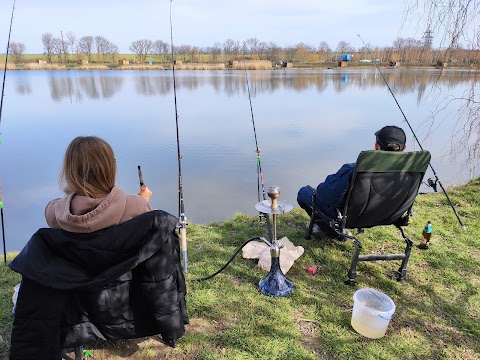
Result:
[{"x": 261, "y": 251}]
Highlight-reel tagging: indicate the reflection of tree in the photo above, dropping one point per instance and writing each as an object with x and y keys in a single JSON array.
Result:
[
  {"x": 101, "y": 87},
  {"x": 23, "y": 87},
  {"x": 153, "y": 85},
  {"x": 233, "y": 82}
]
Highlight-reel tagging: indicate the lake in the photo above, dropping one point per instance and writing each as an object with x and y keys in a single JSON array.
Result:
[{"x": 308, "y": 123}]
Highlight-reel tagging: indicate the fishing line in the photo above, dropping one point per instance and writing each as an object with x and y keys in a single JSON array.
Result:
[
  {"x": 181, "y": 203},
  {"x": 430, "y": 182},
  {"x": 257, "y": 153},
  {"x": 260, "y": 182},
  {"x": 1, "y": 109}
]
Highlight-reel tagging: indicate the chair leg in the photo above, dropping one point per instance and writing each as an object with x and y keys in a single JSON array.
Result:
[
  {"x": 308, "y": 232},
  {"x": 78, "y": 352},
  {"x": 352, "y": 273},
  {"x": 402, "y": 271}
]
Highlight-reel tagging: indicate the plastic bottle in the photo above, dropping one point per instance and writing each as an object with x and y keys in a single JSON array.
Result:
[{"x": 426, "y": 235}]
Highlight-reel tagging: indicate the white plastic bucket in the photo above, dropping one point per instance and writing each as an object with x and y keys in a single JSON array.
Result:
[{"x": 372, "y": 311}]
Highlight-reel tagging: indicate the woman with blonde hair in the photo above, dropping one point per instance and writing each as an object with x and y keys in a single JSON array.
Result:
[{"x": 92, "y": 201}]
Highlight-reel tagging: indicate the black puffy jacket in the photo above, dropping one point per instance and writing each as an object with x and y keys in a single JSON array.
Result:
[{"x": 122, "y": 282}]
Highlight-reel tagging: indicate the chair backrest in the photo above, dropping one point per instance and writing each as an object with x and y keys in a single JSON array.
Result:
[{"x": 383, "y": 187}]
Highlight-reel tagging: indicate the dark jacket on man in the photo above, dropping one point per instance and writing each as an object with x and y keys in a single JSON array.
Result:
[
  {"x": 122, "y": 282},
  {"x": 331, "y": 194}
]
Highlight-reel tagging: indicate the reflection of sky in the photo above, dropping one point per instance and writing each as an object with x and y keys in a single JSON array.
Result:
[{"x": 308, "y": 124}]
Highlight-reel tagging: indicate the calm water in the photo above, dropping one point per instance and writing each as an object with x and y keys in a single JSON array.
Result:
[{"x": 308, "y": 124}]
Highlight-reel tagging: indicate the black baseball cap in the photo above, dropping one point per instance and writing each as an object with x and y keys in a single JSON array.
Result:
[{"x": 391, "y": 134}]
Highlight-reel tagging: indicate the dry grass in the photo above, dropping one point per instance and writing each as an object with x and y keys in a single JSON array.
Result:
[
  {"x": 140, "y": 67},
  {"x": 33, "y": 66},
  {"x": 10, "y": 65},
  {"x": 252, "y": 65},
  {"x": 92, "y": 67},
  {"x": 200, "y": 66}
]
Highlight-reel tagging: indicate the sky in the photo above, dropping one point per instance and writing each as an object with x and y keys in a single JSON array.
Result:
[{"x": 206, "y": 22}]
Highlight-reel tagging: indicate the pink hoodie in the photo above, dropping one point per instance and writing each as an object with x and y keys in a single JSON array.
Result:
[{"x": 82, "y": 214}]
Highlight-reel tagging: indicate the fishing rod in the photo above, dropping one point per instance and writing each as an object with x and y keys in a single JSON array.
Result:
[
  {"x": 431, "y": 182},
  {"x": 1, "y": 109},
  {"x": 181, "y": 203},
  {"x": 6, "y": 61},
  {"x": 3, "y": 227},
  {"x": 260, "y": 182},
  {"x": 257, "y": 153}
]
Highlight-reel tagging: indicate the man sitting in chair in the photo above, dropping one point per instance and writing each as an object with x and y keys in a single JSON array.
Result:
[{"x": 332, "y": 193}]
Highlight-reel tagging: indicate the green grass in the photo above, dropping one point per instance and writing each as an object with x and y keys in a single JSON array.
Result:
[
  {"x": 8, "y": 279},
  {"x": 437, "y": 311}
]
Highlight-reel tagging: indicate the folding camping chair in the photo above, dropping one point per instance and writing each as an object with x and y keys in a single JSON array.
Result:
[{"x": 382, "y": 192}]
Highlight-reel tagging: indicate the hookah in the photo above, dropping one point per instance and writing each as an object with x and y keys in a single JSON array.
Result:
[{"x": 275, "y": 283}]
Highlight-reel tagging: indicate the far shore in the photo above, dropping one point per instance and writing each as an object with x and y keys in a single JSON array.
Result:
[{"x": 236, "y": 65}]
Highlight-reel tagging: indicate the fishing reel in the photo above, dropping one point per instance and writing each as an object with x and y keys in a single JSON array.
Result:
[{"x": 432, "y": 182}]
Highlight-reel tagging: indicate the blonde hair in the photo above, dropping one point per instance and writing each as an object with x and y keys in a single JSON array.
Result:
[{"x": 89, "y": 167}]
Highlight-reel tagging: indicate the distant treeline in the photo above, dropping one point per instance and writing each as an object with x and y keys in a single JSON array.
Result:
[{"x": 98, "y": 49}]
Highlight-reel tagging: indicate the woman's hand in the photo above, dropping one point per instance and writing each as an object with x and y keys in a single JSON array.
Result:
[{"x": 145, "y": 192}]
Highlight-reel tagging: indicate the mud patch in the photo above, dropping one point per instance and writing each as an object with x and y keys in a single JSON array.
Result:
[
  {"x": 149, "y": 347},
  {"x": 310, "y": 339}
]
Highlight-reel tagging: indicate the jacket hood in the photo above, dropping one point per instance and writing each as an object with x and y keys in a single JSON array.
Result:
[{"x": 78, "y": 213}]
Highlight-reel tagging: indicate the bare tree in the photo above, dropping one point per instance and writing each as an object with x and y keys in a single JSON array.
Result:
[
  {"x": 17, "y": 49},
  {"x": 324, "y": 50},
  {"x": 183, "y": 50},
  {"x": 215, "y": 52},
  {"x": 112, "y": 51},
  {"x": 71, "y": 40},
  {"x": 48, "y": 44},
  {"x": 302, "y": 52},
  {"x": 228, "y": 48},
  {"x": 194, "y": 51},
  {"x": 161, "y": 48},
  {"x": 102, "y": 46},
  {"x": 63, "y": 48},
  {"x": 252, "y": 45},
  {"x": 142, "y": 48},
  {"x": 58, "y": 49},
  {"x": 458, "y": 24},
  {"x": 85, "y": 45},
  {"x": 273, "y": 51}
]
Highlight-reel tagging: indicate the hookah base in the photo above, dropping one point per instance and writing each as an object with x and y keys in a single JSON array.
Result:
[{"x": 275, "y": 283}]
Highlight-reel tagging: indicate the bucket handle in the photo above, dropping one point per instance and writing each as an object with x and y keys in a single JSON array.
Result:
[
  {"x": 383, "y": 303},
  {"x": 385, "y": 318}
]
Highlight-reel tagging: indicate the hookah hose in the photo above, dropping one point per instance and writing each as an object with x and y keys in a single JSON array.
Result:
[{"x": 228, "y": 262}]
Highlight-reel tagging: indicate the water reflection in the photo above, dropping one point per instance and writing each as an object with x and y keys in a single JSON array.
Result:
[
  {"x": 402, "y": 81},
  {"x": 76, "y": 88},
  {"x": 308, "y": 124}
]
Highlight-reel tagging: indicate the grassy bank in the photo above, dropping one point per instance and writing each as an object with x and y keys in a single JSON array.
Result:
[{"x": 437, "y": 312}]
